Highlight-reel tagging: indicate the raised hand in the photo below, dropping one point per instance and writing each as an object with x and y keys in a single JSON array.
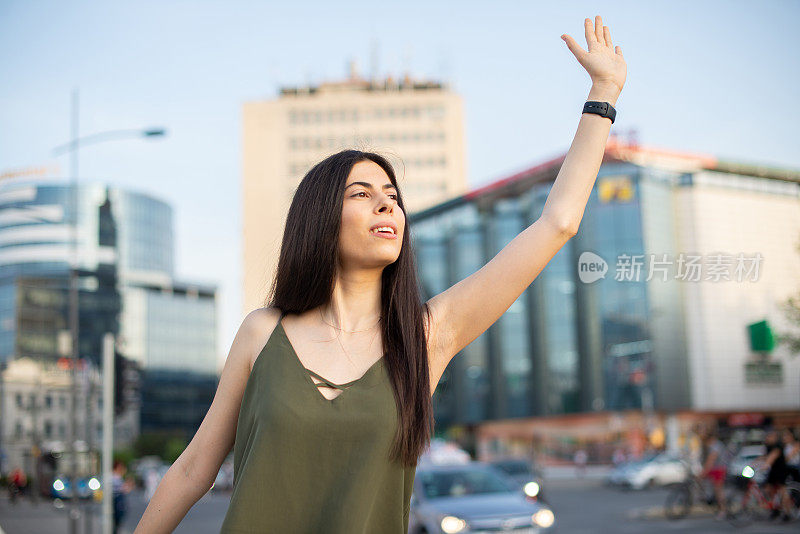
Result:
[{"x": 605, "y": 64}]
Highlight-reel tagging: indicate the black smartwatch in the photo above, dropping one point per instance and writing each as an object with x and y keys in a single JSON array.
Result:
[{"x": 604, "y": 109}]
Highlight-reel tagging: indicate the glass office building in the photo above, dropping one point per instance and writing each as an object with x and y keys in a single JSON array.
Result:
[
  {"x": 600, "y": 328},
  {"x": 125, "y": 249}
]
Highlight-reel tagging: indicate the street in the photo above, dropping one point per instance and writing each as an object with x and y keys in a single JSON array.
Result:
[{"x": 581, "y": 507}]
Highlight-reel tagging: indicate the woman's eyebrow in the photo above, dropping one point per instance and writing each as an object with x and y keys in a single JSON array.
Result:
[{"x": 369, "y": 185}]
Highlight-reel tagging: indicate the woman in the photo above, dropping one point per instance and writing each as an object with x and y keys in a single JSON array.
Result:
[
  {"x": 791, "y": 450},
  {"x": 326, "y": 392},
  {"x": 775, "y": 484},
  {"x": 120, "y": 488},
  {"x": 715, "y": 468}
]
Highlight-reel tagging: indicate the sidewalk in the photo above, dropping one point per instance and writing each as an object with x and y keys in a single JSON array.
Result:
[{"x": 45, "y": 517}]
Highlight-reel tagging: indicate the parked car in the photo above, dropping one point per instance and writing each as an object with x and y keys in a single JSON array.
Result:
[
  {"x": 88, "y": 486},
  {"x": 441, "y": 452},
  {"x": 529, "y": 479},
  {"x": 658, "y": 469},
  {"x": 472, "y": 497}
]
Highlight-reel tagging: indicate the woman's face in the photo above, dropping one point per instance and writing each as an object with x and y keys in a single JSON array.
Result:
[{"x": 370, "y": 200}]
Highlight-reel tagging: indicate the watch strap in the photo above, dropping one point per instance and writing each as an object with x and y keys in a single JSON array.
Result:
[{"x": 604, "y": 109}]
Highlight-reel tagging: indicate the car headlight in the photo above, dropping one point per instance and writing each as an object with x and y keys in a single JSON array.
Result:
[
  {"x": 748, "y": 472},
  {"x": 452, "y": 524},
  {"x": 544, "y": 518},
  {"x": 58, "y": 485},
  {"x": 531, "y": 489}
]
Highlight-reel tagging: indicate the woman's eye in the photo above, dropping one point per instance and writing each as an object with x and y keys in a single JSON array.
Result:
[{"x": 364, "y": 193}]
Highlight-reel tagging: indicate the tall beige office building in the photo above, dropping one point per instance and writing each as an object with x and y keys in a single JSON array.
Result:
[{"x": 418, "y": 125}]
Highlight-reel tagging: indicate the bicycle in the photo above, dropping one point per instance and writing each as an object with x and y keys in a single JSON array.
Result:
[
  {"x": 752, "y": 505},
  {"x": 13, "y": 492},
  {"x": 684, "y": 495}
]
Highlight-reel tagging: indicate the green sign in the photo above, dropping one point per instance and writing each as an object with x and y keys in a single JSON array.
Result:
[{"x": 761, "y": 338}]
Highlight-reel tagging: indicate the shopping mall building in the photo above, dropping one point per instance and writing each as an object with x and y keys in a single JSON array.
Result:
[{"x": 660, "y": 312}]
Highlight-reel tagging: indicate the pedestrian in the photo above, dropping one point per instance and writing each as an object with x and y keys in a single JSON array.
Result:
[
  {"x": 791, "y": 450},
  {"x": 580, "y": 459},
  {"x": 17, "y": 482},
  {"x": 120, "y": 488},
  {"x": 335, "y": 451},
  {"x": 619, "y": 457},
  {"x": 151, "y": 480},
  {"x": 715, "y": 469},
  {"x": 775, "y": 484}
]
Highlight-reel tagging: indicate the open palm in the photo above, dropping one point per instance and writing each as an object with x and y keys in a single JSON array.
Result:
[{"x": 602, "y": 62}]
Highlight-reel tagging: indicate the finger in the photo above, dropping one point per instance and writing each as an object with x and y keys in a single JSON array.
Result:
[
  {"x": 573, "y": 46},
  {"x": 607, "y": 36},
  {"x": 619, "y": 51},
  {"x": 598, "y": 29},
  {"x": 590, "y": 36}
]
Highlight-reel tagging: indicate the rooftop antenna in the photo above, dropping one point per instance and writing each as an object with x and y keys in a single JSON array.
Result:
[
  {"x": 633, "y": 137},
  {"x": 407, "y": 64},
  {"x": 444, "y": 66},
  {"x": 352, "y": 69}
]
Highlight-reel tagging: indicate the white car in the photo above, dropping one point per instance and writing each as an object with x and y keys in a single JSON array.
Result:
[{"x": 660, "y": 469}]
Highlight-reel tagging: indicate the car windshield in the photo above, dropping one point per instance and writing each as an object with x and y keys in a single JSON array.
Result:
[
  {"x": 454, "y": 483},
  {"x": 643, "y": 461},
  {"x": 513, "y": 467}
]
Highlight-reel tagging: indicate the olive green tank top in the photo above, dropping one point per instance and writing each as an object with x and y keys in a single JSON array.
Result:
[{"x": 306, "y": 464}]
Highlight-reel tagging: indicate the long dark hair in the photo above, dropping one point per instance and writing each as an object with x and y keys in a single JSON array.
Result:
[{"x": 305, "y": 279}]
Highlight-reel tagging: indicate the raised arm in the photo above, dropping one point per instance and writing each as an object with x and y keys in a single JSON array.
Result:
[{"x": 464, "y": 311}]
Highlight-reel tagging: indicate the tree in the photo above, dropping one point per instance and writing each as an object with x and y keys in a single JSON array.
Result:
[{"x": 791, "y": 307}]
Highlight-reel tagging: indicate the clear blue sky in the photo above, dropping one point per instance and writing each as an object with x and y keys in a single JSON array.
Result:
[{"x": 713, "y": 77}]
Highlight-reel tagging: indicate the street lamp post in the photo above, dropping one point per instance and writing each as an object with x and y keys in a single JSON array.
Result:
[{"x": 72, "y": 147}]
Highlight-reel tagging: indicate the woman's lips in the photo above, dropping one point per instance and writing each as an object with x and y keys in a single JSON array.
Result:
[{"x": 385, "y": 235}]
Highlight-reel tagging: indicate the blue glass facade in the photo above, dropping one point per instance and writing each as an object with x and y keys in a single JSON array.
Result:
[
  {"x": 563, "y": 346},
  {"x": 508, "y": 220},
  {"x": 125, "y": 258}
]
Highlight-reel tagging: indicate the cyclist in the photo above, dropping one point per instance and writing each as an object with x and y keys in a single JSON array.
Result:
[
  {"x": 791, "y": 449},
  {"x": 715, "y": 467},
  {"x": 17, "y": 482},
  {"x": 775, "y": 483}
]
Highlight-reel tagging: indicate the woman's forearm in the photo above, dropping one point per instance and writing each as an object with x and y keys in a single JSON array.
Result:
[
  {"x": 177, "y": 492},
  {"x": 570, "y": 192}
]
